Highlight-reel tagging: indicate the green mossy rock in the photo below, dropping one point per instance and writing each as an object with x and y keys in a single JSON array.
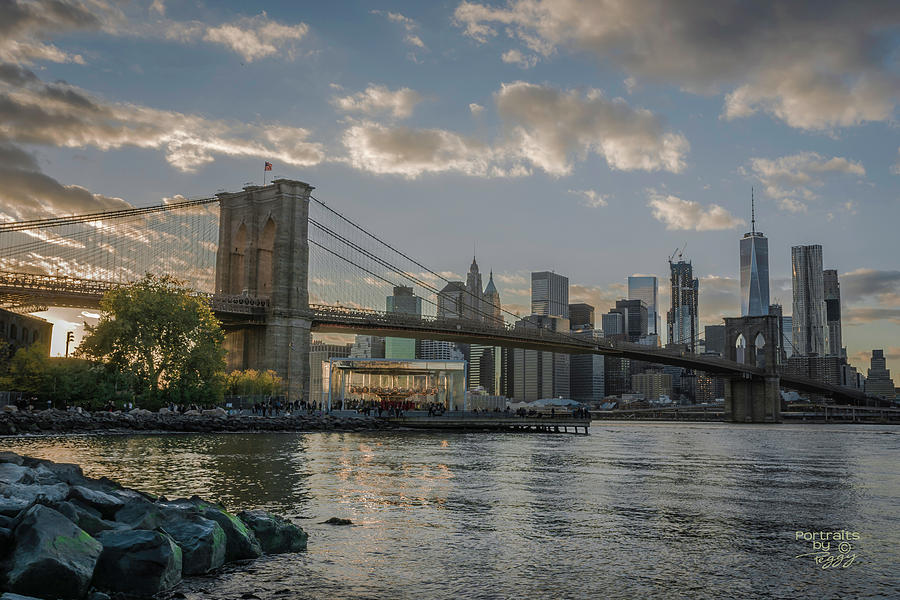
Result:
[
  {"x": 202, "y": 541},
  {"x": 137, "y": 562},
  {"x": 52, "y": 557},
  {"x": 275, "y": 535}
]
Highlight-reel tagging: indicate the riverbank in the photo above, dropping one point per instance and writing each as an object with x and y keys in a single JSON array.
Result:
[
  {"x": 210, "y": 421},
  {"x": 65, "y": 535}
]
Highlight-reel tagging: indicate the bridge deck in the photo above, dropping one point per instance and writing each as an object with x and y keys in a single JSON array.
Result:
[{"x": 487, "y": 423}]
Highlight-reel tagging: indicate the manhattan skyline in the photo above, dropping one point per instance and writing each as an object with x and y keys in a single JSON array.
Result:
[{"x": 551, "y": 146}]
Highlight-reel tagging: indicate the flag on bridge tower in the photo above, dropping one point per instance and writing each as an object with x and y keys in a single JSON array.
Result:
[{"x": 268, "y": 166}]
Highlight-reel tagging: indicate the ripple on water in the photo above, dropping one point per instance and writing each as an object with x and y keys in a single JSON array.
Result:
[{"x": 633, "y": 510}]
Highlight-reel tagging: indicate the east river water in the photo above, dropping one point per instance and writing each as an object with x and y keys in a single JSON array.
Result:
[{"x": 667, "y": 510}]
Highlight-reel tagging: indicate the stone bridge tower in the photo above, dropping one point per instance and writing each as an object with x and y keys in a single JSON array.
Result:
[
  {"x": 264, "y": 253},
  {"x": 754, "y": 341}
]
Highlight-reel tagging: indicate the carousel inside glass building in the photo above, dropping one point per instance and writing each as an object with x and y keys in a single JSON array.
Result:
[{"x": 360, "y": 384}]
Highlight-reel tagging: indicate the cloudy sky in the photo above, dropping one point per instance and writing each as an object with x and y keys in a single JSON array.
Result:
[{"x": 588, "y": 138}]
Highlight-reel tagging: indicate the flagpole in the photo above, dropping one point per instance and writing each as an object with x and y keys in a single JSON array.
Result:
[{"x": 264, "y": 175}]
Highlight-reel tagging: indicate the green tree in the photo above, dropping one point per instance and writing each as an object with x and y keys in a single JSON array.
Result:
[
  {"x": 252, "y": 383},
  {"x": 163, "y": 338},
  {"x": 63, "y": 381}
]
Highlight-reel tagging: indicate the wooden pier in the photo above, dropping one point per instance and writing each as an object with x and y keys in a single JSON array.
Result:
[{"x": 486, "y": 422}]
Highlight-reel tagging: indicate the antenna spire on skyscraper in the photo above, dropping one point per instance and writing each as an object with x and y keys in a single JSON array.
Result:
[{"x": 752, "y": 212}]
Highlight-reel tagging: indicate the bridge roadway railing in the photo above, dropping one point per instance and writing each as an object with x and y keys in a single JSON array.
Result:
[
  {"x": 567, "y": 341},
  {"x": 77, "y": 291}
]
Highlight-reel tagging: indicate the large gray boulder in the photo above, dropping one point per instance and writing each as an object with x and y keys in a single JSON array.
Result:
[
  {"x": 138, "y": 562},
  {"x": 107, "y": 504},
  {"x": 139, "y": 513},
  {"x": 65, "y": 472},
  {"x": 16, "y": 497},
  {"x": 10, "y": 457},
  {"x": 240, "y": 541},
  {"x": 275, "y": 535},
  {"x": 52, "y": 558},
  {"x": 13, "y": 473},
  {"x": 86, "y": 517},
  {"x": 202, "y": 541}
]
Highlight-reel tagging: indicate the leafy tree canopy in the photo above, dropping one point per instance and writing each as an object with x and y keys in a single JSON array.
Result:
[
  {"x": 253, "y": 383},
  {"x": 165, "y": 338}
]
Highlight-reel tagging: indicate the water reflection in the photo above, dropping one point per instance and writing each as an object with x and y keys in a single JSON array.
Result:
[{"x": 634, "y": 510}]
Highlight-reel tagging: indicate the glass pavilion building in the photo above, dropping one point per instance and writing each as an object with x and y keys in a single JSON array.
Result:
[{"x": 407, "y": 384}]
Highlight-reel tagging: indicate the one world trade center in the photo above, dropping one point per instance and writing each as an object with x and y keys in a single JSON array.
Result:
[{"x": 754, "y": 269}]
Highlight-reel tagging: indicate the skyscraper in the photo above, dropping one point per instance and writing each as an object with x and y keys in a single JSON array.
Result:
[
  {"x": 549, "y": 294},
  {"x": 787, "y": 336},
  {"x": 450, "y": 300},
  {"x": 540, "y": 374},
  {"x": 403, "y": 301},
  {"x": 833, "y": 310},
  {"x": 613, "y": 323},
  {"x": 754, "y": 269},
  {"x": 636, "y": 320},
  {"x": 683, "y": 322},
  {"x": 810, "y": 331},
  {"x": 715, "y": 339},
  {"x": 586, "y": 371},
  {"x": 473, "y": 300},
  {"x": 581, "y": 315},
  {"x": 492, "y": 303},
  {"x": 879, "y": 382},
  {"x": 646, "y": 288}
]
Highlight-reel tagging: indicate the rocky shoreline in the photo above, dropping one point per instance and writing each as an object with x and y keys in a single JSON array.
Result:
[
  {"x": 207, "y": 421},
  {"x": 64, "y": 535}
]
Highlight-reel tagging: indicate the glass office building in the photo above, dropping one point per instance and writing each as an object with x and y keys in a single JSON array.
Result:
[
  {"x": 754, "y": 275},
  {"x": 549, "y": 294},
  {"x": 646, "y": 288},
  {"x": 406, "y": 384}
]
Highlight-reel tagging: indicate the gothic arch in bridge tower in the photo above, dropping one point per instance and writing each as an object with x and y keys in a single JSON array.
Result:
[
  {"x": 755, "y": 396},
  {"x": 759, "y": 344},
  {"x": 236, "y": 266},
  {"x": 740, "y": 349},
  {"x": 265, "y": 263}
]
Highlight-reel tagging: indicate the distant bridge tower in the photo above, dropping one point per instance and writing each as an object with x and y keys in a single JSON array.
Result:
[
  {"x": 264, "y": 253},
  {"x": 753, "y": 341}
]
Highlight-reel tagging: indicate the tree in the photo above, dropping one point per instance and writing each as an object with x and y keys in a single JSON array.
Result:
[
  {"x": 62, "y": 381},
  {"x": 164, "y": 338},
  {"x": 252, "y": 383}
]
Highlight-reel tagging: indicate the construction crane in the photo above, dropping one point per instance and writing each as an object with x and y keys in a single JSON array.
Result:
[{"x": 679, "y": 253}]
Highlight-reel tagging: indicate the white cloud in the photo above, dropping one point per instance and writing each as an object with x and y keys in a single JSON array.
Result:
[
  {"x": 412, "y": 152},
  {"x": 158, "y": 7},
  {"x": 543, "y": 126},
  {"x": 813, "y": 65},
  {"x": 476, "y": 109},
  {"x": 410, "y": 26},
  {"x": 257, "y": 37},
  {"x": 24, "y": 27},
  {"x": 515, "y": 57},
  {"x": 548, "y": 127},
  {"x": 791, "y": 179},
  {"x": 379, "y": 99},
  {"x": 33, "y": 112},
  {"x": 592, "y": 198},
  {"x": 414, "y": 40},
  {"x": 681, "y": 214}
]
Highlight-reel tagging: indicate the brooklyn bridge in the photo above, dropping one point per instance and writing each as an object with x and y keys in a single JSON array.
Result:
[{"x": 278, "y": 264}]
